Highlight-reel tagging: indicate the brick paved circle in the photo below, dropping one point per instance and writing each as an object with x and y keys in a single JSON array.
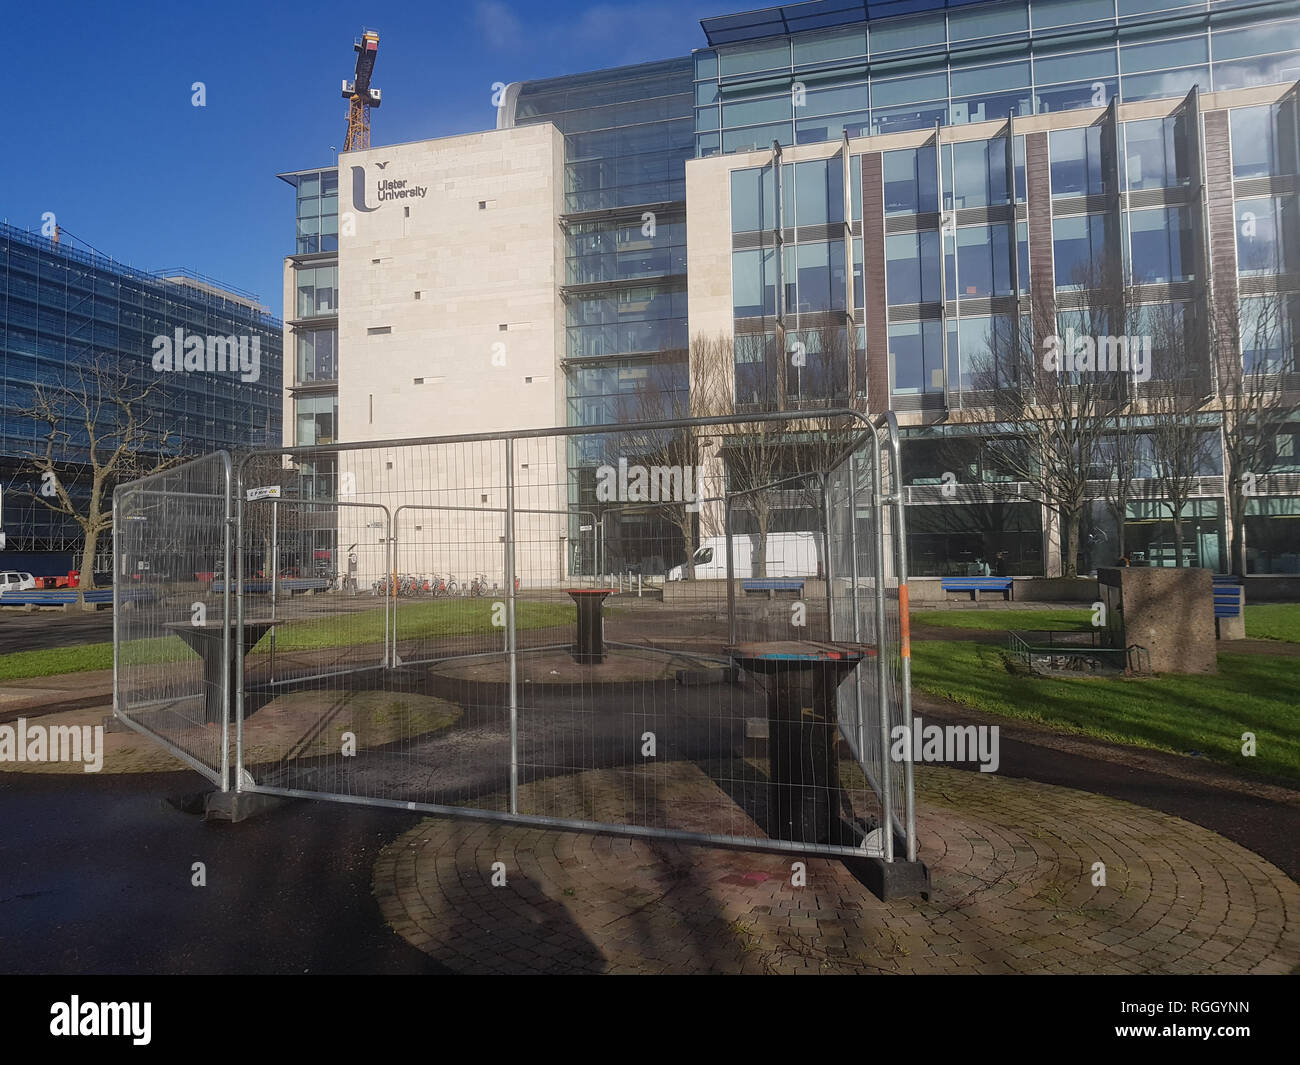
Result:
[{"x": 1012, "y": 866}]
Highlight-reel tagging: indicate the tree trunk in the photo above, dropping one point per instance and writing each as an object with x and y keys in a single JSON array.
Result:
[
  {"x": 1237, "y": 534},
  {"x": 86, "y": 581},
  {"x": 688, "y": 538},
  {"x": 1178, "y": 537},
  {"x": 762, "y": 519},
  {"x": 1070, "y": 548}
]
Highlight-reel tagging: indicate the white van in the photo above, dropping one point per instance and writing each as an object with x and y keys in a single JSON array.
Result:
[
  {"x": 12, "y": 580},
  {"x": 789, "y": 554}
]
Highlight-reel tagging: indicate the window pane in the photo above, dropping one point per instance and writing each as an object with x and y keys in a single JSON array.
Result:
[
  {"x": 912, "y": 267},
  {"x": 987, "y": 21},
  {"x": 757, "y": 137},
  {"x": 753, "y": 283},
  {"x": 1072, "y": 67},
  {"x": 1076, "y": 161},
  {"x": 833, "y": 101},
  {"x": 1165, "y": 85},
  {"x": 1076, "y": 243},
  {"x": 855, "y": 177},
  {"x": 919, "y": 32},
  {"x": 907, "y": 117},
  {"x": 1156, "y": 153},
  {"x": 1259, "y": 250},
  {"x": 819, "y": 192},
  {"x": 1097, "y": 93},
  {"x": 1255, "y": 144},
  {"x": 745, "y": 59},
  {"x": 1048, "y": 13},
  {"x": 842, "y": 44},
  {"x": 909, "y": 90},
  {"x": 1256, "y": 40},
  {"x": 1135, "y": 58},
  {"x": 1161, "y": 245},
  {"x": 911, "y": 183},
  {"x": 753, "y": 112},
  {"x": 916, "y": 357}
]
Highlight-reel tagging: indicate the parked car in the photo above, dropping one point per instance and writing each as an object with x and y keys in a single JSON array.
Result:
[{"x": 11, "y": 580}]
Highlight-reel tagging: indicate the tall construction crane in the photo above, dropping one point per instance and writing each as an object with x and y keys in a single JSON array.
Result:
[{"x": 360, "y": 96}]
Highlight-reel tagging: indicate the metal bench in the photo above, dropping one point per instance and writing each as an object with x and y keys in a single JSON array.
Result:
[
  {"x": 68, "y": 596},
  {"x": 773, "y": 585},
  {"x": 975, "y": 585}
]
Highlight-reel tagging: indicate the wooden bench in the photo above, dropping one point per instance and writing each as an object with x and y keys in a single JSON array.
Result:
[
  {"x": 774, "y": 585},
  {"x": 975, "y": 585}
]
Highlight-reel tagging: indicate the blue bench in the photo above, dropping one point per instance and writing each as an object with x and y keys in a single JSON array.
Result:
[
  {"x": 68, "y": 596},
  {"x": 1228, "y": 597},
  {"x": 773, "y": 585},
  {"x": 975, "y": 585}
]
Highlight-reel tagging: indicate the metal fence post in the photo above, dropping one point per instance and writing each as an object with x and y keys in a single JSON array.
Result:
[
  {"x": 731, "y": 572},
  {"x": 275, "y": 574},
  {"x": 882, "y": 665},
  {"x": 853, "y": 599},
  {"x": 510, "y": 625},
  {"x": 826, "y": 551},
  {"x": 905, "y": 633},
  {"x": 117, "y": 600},
  {"x": 235, "y": 530}
]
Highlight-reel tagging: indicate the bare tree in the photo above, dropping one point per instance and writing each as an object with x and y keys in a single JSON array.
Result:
[
  {"x": 1052, "y": 408},
  {"x": 1120, "y": 453},
  {"x": 1255, "y": 357},
  {"x": 1181, "y": 441},
  {"x": 98, "y": 427},
  {"x": 753, "y": 453},
  {"x": 686, "y": 447}
]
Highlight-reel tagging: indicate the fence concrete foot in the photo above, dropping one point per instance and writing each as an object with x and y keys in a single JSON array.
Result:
[
  {"x": 235, "y": 806},
  {"x": 890, "y": 880}
]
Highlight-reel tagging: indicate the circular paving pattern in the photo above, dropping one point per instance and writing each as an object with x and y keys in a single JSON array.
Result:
[{"x": 1013, "y": 865}]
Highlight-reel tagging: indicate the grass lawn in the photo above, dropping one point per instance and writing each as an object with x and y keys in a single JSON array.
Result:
[
  {"x": 1273, "y": 621},
  {"x": 414, "y": 620},
  {"x": 1251, "y": 693},
  {"x": 1005, "y": 620},
  {"x": 1264, "y": 621}
]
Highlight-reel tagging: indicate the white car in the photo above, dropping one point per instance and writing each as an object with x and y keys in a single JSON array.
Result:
[{"x": 13, "y": 581}]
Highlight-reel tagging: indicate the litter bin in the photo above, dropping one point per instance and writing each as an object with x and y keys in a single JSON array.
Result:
[{"x": 49, "y": 582}]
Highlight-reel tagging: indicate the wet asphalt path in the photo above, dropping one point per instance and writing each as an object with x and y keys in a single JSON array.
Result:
[{"x": 95, "y": 878}]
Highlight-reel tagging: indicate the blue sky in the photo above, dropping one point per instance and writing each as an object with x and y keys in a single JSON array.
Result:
[{"x": 103, "y": 133}]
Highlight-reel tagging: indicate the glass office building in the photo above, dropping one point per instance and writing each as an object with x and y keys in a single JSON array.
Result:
[
  {"x": 808, "y": 73},
  {"x": 895, "y": 185},
  {"x": 994, "y": 155},
  {"x": 62, "y": 308},
  {"x": 628, "y": 133}
]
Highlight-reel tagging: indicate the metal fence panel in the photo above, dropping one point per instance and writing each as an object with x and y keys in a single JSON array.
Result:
[
  {"x": 693, "y": 629},
  {"x": 172, "y": 611}
]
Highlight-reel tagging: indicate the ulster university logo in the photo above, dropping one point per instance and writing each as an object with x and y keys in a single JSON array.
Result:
[{"x": 389, "y": 189}]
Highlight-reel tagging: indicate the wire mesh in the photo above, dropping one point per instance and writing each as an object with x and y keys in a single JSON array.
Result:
[
  {"x": 682, "y": 628},
  {"x": 172, "y": 620}
]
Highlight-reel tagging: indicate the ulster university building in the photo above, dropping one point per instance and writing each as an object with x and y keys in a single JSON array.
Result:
[{"x": 913, "y": 177}]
